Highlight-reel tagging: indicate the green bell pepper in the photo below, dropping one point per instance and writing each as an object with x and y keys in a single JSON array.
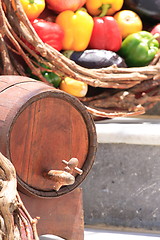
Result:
[
  {"x": 138, "y": 49},
  {"x": 51, "y": 77}
]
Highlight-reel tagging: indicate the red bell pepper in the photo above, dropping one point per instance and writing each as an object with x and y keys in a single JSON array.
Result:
[
  {"x": 49, "y": 32},
  {"x": 106, "y": 34}
]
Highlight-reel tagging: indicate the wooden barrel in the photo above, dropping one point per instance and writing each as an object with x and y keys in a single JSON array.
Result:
[{"x": 39, "y": 127}]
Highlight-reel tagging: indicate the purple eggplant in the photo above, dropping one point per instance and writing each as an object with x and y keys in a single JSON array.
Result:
[{"x": 95, "y": 58}]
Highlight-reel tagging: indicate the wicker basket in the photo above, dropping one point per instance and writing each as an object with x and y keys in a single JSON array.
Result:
[{"x": 119, "y": 91}]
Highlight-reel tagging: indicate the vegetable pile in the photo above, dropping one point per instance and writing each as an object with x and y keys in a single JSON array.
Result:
[
  {"x": 90, "y": 49},
  {"x": 99, "y": 25}
]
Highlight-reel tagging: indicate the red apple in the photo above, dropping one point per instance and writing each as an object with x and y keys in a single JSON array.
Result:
[
  {"x": 62, "y": 5},
  {"x": 156, "y": 29}
]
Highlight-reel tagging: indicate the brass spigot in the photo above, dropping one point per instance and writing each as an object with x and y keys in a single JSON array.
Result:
[{"x": 61, "y": 178}]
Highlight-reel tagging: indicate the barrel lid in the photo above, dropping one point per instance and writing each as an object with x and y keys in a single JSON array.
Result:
[{"x": 49, "y": 127}]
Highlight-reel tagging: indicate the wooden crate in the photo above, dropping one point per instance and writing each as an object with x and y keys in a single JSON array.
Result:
[{"x": 61, "y": 216}]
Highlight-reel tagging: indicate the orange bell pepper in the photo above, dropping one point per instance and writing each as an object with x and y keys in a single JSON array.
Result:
[
  {"x": 74, "y": 87},
  {"x": 77, "y": 27},
  {"x": 33, "y": 8},
  {"x": 103, "y": 7}
]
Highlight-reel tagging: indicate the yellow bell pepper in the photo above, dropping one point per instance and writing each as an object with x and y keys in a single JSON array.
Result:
[
  {"x": 74, "y": 87},
  {"x": 77, "y": 29},
  {"x": 33, "y": 8},
  {"x": 103, "y": 7}
]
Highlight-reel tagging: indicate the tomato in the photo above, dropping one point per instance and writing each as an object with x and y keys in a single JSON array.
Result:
[
  {"x": 129, "y": 22},
  {"x": 62, "y": 5},
  {"x": 33, "y": 8}
]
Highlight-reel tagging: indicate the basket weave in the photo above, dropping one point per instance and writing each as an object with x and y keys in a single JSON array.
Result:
[{"x": 125, "y": 91}]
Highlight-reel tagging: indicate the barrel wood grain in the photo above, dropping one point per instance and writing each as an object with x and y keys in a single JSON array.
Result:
[{"x": 39, "y": 127}]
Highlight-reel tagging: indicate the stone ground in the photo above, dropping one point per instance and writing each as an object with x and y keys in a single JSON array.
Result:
[
  {"x": 123, "y": 186},
  {"x": 96, "y": 234}
]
